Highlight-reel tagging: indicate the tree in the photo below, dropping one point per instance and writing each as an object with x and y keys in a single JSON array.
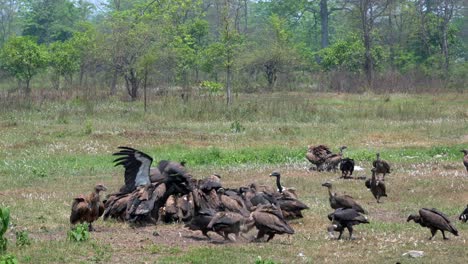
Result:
[
  {"x": 8, "y": 17},
  {"x": 23, "y": 58},
  {"x": 52, "y": 20},
  {"x": 369, "y": 11},
  {"x": 64, "y": 60}
]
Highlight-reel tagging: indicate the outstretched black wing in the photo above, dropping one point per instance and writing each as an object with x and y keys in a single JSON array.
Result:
[{"x": 137, "y": 167}]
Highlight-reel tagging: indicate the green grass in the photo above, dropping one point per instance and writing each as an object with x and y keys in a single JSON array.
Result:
[{"x": 55, "y": 150}]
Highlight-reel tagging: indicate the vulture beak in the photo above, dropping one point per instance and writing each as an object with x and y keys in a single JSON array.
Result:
[{"x": 410, "y": 217}]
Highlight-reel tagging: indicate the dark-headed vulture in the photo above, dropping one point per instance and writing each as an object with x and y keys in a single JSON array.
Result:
[
  {"x": 381, "y": 166},
  {"x": 269, "y": 221},
  {"x": 226, "y": 223},
  {"x": 88, "y": 209},
  {"x": 347, "y": 168},
  {"x": 345, "y": 218},
  {"x": 465, "y": 158},
  {"x": 342, "y": 201},
  {"x": 377, "y": 187},
  {"x": 464, "y": 215},
  {"x": 434, "y": 220}
]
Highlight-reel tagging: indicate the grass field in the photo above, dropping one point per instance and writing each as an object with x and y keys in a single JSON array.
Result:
[{"x": 53, "y": 151}]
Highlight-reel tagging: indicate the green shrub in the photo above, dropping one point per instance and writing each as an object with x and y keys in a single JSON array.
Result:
[
  {"x": 22, "y": 238},
  {"x": 8, "y": 259},
  {"x": 4, "y": 222},
  {"x": 236, "y": 127},
  {"x": 79, "y": 233}
]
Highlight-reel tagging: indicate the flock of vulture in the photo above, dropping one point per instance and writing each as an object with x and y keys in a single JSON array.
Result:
[{"x": 168, "y": 193}]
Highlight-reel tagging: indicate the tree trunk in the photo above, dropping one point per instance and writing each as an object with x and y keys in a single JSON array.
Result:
[
  {"x": 228, "y": 84},
  {"x": 113, "y": 89},
  {"x": 28, "y": 88},
  {"x": 132, "y": 83},
  {"x": 144, "y": 87},
  {"x": 324, "y": 22},
  {"x": 368, "y": 61},
  {"x": 445, "y": 49}
]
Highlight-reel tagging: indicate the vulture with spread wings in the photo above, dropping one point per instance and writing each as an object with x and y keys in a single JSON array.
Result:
[{"x": 145, "y": 189}]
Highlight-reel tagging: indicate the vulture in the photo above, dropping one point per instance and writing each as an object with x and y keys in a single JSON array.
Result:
[
  {"x": 465, "y": 158},
  {"x": 347, "y": 168},
  {"x": 211, "y": 182},
  {"x": 377, "y": 187},
  {"x": 232, "y": 203},
  {"x": 88, "y": 209},
  {"x": 226, "y": 223},
  {"x": 291, "y": 208},
  {"x": 317, "y": 156},
  {"x": 332, "y": 160},
  {"x": 141, "y": 197},
  {"x": 381, "y": 166},
  {"x": 201, "y": 220},
  {"x": 345, "y": 218},
  {"x": 269, "y": 221},
  {"x": 286, "y": 192},
  {"x": 434, "y": 220},
  {"x": 177, "y": 209},
  {"x": 342, "y": 201},
  {"x": 464, "y": 215}
]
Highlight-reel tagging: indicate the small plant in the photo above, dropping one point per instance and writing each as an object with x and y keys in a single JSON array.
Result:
[
  {"x": 22, "y": 238},
  {"x": 39, "y": 172},
  {"x": 8, "y": 259},
  {"x": 79, "y": 233},
  {"x": 259, "y": 260},
  {"x": 236, "y": 127},
  {"x": 4, "y": 222},
  {"x": 88, "y": 128},
  {"x": 101, "y": 253}
]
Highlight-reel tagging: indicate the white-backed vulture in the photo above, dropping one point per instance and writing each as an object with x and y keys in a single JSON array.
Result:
[
  {"x": 434, "y": 220},
  {"x": 88, "y": 208}
]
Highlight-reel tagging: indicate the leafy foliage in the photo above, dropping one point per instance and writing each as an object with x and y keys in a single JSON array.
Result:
[
  {"x": 23, "y": 58},
  {"x": 79, "y": 233},
  {"x": 22, "y": 238},
  {"x": 4, "y": 223},
  {"x": 8, "y": 259}
]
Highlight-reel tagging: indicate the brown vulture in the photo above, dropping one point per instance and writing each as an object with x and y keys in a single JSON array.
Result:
[
  {"x": 141, "y": 198},
  {"x": 332, "y": 160},
  {"x": 226, "y": 223},
  {"x": 345, "y": 218},
  {"x": 342, "y": 201},
  {"x": 434, "y": 220},
  {"x": 377, "y": 187},
  {"x": 88, "y": 209},
  {"x": 232, "y": 203},
  {"x": 317, "y": 156},
  {"x": 381, "y": 166},
  {"x": 465, "y": 158},
  {"x": 464, "y": 215},
  {"x": 269, "y": 221},
  {"x": 201, "y": 220}
]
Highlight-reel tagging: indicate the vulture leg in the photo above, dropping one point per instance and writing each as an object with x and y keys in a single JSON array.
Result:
[
  {"x": 205, "y": 233},
  {"x": 270, "y": 236},
  {"x": 378, "y": 198},
  {"x": 443, "y": 234},
  {"x": 350, "y": 230},
  {"x": 341, "y": 233},
  {"x": 433, "y": 232},
  {"x": 91, "y": 228},
  {"x": 260, "y": 234}
]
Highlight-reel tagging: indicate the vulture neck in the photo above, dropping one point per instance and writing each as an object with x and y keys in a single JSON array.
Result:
[
  {"x": 373, "y": 181},
  {"x": 278, "y": 184},
  {"x": 94, "y": 197},
  {"x": 330, "y": 192}
]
